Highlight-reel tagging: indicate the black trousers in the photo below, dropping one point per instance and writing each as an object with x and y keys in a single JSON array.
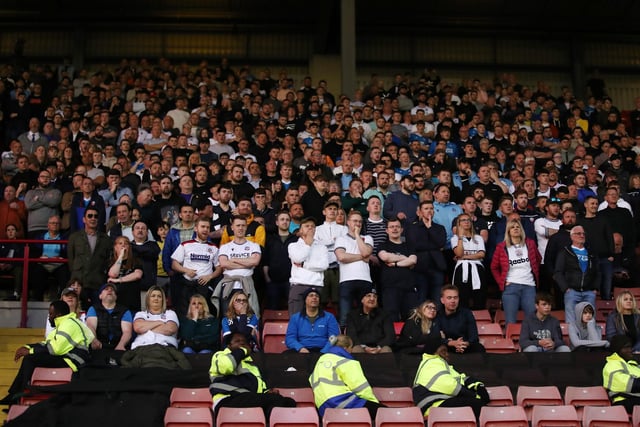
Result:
[
  {"x": 29, "y": 364},
  {"x": 266, "y": 401}
]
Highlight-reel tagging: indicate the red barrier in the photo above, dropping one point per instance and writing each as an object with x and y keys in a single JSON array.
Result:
[{"x": 25, "y": 269}]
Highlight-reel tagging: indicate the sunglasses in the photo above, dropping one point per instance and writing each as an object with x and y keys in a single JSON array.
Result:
[
  {"x": 92, "y": 216},
  {"x": 240, "y": 300}
]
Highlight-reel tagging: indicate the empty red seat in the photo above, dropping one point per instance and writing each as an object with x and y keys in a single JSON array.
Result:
[
  {"x": 556, "y": 416},
  {"x": 451, "y": 417},
  {"x": 293, "y": 417},
  {"x": 303, "y": 395},
  {"x": 399, "y": 417},
  {"x": 503, "y": 416},
  {"x": 240, "y": 417},
  {"x": 396, "y": 397},
  {"x": 500, "y": 396},
  {"x": 188, "y": 417},
  {"x": 190, "y": 398},
  {"x": 355, "y": 417},
  {"x": 605, "y": 416}
]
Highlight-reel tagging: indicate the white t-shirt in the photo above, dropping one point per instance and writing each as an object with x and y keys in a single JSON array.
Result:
[
  {"x": 234, "y": 250},
  {"x": 520, "y": 266},
  {"x": 198, "y": 256},
  {"x": 358, "y": 270},
  {"x": 151, "y": 337},
  {"x": 541, "y": 225}
]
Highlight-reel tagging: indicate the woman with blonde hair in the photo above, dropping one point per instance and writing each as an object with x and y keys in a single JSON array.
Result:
[
  {"x": 516, "y": 267},
  {"x": 125, "y": 272},
  {"x": 419, "y": 328},
  {"x": 241, "y": 318},
  {"x": 199, "y": 329},
  {"x": 468, "y": 273},
  {"x": 625, "y": 320}
]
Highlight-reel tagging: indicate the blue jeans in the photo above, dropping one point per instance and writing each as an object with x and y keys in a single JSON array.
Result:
[
  {"x": 573, "y": 297},
  {"x": 350, "y": 291},
  {"x": 606, "y": 271},
  {"x": 516, "y": 297}
]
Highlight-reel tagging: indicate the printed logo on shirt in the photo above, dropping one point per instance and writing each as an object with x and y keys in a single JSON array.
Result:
[
  {"x": 518, "y": 261},
  {"x": 199, "y": 258}
]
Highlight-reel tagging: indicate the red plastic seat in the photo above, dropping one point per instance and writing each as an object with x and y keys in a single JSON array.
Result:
[
  {"x": 635, "y": 416},
  {"x": 240, "y": 417},
  {"x": 482, "y": 316},
  {"x": 303, "y": 396},
  {"x": 490, "y": 330},
  {"x": 503, "y": 416},
  {"x": 529, "y": 396},
  {"x": 395, "y": 397},
  {"x": 605, "y": 416},
  {"x": 397, "y": 328},
  {"x": 500, "y": 396},
  {"x": 451, "y": 417},
  {"x": 580, "y": 397},
  {"x": 399, "y": 417},
  {"x": 355, "y": 417},
  {"x": 499, "y": 345},
  {"x": 46, "y": 377},
  {"x": 15, "y": 411},
  {"x": 190, "y": 398},
  {"x": 555, "y": 416},
  {"x": 188, "y": 417},
  {"x": 275, "y": 316},
  {"x": 273, "y": 336},
  {"x": 294, "y": 417}
]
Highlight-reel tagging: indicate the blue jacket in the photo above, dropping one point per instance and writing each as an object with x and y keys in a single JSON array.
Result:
[
  {"x": 301, "y": 333},
  {"x": 171, "y": 242}
]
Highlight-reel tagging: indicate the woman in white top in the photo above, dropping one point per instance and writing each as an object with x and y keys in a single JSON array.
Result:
[
  {"x": 468, "y": 274},
  {"x": 156, "y": 325},
  {"x": 516, "y": 266}
]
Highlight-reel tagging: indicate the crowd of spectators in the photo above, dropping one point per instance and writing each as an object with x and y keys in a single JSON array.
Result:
[{"x": 212, "y": 180}]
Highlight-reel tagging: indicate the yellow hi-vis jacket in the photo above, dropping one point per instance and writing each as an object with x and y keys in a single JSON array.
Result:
[
  {"x": 234, "y": 372},
  {"x": 338, "y": 382},
  {"x": 70, "y": 339},
  {"x": 437, "y": 381},
  {"x": 618, "y": 377}
]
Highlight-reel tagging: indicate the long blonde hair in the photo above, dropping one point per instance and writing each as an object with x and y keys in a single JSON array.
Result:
[
  {"x": 202, "y": 299},
  {"x": 507, "y": 237},
  {"x": 417, "y": 314},
  {"x": 231, "y": 313},
  {"x": 619, "y": 319}
]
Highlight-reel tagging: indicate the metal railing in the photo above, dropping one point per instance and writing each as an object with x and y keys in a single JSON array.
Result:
[{"x": 26, "y": 260}]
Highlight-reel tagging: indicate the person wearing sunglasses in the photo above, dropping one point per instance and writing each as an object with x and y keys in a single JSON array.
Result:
[{"x": 89, "y": 251}]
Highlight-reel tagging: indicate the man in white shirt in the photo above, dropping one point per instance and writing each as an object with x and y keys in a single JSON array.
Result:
[
  {"x": 238, "y": 258},
  {"x": 326, "y": 234},
  {"x": 197, "y": 261},
  {"x": 309, "y": 260},
  {"x": 353, "y": 252}
]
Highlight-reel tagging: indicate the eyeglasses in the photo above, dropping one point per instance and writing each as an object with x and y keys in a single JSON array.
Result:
[
  {"x": 430, "y": 307},
  {"x": 240, "y": 300},
  {"x": 464, "y": 220},
  {"x": 92, "y": 216}
]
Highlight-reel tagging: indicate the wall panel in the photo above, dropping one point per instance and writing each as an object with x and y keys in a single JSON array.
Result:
[
  {"x": 453, "y": 50},
  {"x": 132, "y": 44},
  {"x": 603, "y": 54},
  {"x": 205, "y": 45},
  {"x": 290, "y": 46},
  {"x": 38, "y": 43},
  {"x": 385, "y": 47},
  {"x": 509, "y": 51}
]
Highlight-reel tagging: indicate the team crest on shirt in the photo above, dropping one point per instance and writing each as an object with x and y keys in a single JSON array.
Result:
[{"x": 246, "y": 248}]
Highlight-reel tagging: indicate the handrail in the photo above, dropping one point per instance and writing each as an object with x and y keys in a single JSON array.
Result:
[{"x": 25, "y": 259}]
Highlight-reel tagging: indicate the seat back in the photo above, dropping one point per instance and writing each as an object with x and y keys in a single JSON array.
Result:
[
  {"x": 46, "y": 377},
  {"x": 240, "y": 417},
  {"x": 190, "y": 398},
  {"x": 15, "y": 411},
  {"x": 273, "y": 336},
  {"x": 397, "y": 328},
  {"x": 489, "y": 330},
  {"x": 482, "y": 316},
  {"x": 399, "y": 417},
  {"x": 188, "y": 417},
  {"x": 303, "y": 396},
  {"x": 395, "y": 397},
  {"x": 499, "y": 345},
  {"x": 605, "y": 416},
  {"x": 500, "y": 396},
  {"x": 294, "y": 417},
  {"x": 557, "y": 416},
  {"x": 530, "y": 396},
  {"x": 354, "y": 417},
  {"x": 580, "y": 397},
  {"x": 503, "y": 416},
  {"x": 451, "y": 417},
  {"x": 274, "y": 316}
]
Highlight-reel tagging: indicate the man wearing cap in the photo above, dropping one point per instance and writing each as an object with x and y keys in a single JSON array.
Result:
[
  {"x": 309, "y": 329},
  {"x": 438, "y": 384},
  {"x": 402, "y": 204},
  {"x": 621, "y": 374},
  {"x": 110, "y": 322},
  {"x": 309, "y": 260},
  {"x": 370, "y": 327}
]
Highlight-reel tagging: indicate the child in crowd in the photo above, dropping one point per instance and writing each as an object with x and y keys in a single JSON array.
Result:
[
  {"x": 584, "y": 334},
  {"x": 541, "y": 331}
]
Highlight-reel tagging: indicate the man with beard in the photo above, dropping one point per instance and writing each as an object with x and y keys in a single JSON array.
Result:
[
  {"x": 168, "y": 202},
  {"x": 402, "y": 204}
]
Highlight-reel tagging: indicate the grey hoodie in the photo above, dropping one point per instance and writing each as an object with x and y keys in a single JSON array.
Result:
[{"x": 585, "y": 334}]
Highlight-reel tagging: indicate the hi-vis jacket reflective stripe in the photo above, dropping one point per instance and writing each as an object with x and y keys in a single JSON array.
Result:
[
  {"x": 618, "y": 376},
  {"x": 338, "y": 382},
  {"x": 71, "y": 339},
  {"x": 228, "y": 376},
  {"x": 436, "y": 381}
]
